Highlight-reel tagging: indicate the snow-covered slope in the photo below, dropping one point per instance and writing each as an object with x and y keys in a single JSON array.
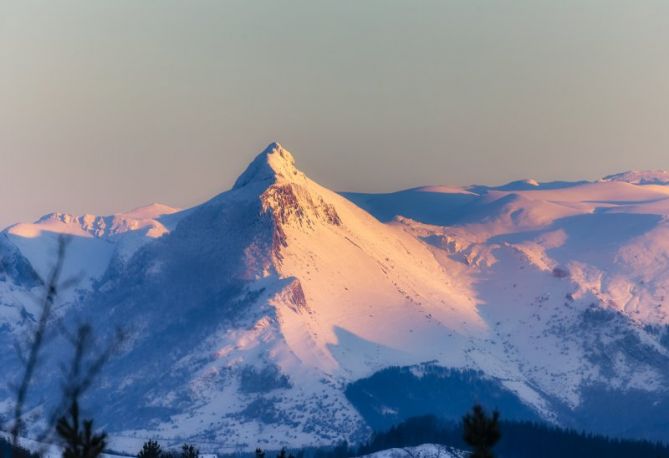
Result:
[
  {"x": 94, "y": 240},
  {"x": 255, "y": 318},
  {"x": 420, "y": 451}
]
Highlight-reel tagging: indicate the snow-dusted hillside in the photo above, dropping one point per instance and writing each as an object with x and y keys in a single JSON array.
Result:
[
  {"x": 421, "y": 451},
  {"x": 271, "y": 313}
]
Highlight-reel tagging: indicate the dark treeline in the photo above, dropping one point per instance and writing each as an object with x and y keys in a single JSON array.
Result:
[
  {"x": 518, "y": 440},
  {"x": 152, "y": 449},
  {"x": 525, "y": 440}
]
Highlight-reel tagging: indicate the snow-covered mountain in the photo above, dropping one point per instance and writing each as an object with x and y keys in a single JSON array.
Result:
[{"x": 282, "y": 312}]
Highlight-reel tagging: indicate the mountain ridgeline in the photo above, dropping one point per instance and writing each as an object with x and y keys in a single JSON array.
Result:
[{"x": 281, "y": 311}]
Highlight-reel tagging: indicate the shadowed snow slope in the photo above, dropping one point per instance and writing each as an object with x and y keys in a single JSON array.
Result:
[{"x": 249, "y": 316}]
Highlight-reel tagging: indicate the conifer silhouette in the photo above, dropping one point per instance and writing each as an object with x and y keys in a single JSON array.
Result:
[
  {"x": 189, "y": 451},
  {"x": 79, "y": 443},
  {"x": 150, "y": 449},
  {"x": 481, "y": 432}
]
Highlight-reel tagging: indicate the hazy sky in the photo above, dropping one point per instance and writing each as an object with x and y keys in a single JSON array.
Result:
[{"x": 108, "y": 105}]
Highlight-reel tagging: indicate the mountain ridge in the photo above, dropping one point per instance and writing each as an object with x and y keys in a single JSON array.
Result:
[{"x": 251, "y": 313}]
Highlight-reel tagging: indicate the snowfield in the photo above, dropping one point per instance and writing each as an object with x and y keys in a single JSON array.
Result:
[{"x": 251, "y": 315}]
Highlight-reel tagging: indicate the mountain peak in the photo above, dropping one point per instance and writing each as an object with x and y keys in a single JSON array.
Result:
[{"x": 272, "y": 164}]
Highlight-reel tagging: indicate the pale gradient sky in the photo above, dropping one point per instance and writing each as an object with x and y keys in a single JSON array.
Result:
[{"x": 108, "y": 105}]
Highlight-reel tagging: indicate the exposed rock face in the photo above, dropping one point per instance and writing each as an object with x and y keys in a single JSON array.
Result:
[{"x": 292, "y": 204}]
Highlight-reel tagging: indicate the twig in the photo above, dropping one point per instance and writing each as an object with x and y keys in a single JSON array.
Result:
[
  {"x": 79, "y": 377},
  {"x": 50, "y": 293}
]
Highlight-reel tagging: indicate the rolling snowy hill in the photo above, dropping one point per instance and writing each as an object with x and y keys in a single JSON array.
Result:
[
  {"x": 421, "y": 451},
  {"x": 282, "y": 312}
]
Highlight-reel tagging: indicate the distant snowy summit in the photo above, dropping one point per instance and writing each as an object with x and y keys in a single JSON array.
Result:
[
  {"x": 97, "y": 226},
  {"x": 641, "y": 177}
]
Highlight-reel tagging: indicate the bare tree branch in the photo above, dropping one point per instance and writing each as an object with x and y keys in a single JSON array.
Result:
[
  {"x": 36, "y": 342},
  {"x": 84, "y": 367}
]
